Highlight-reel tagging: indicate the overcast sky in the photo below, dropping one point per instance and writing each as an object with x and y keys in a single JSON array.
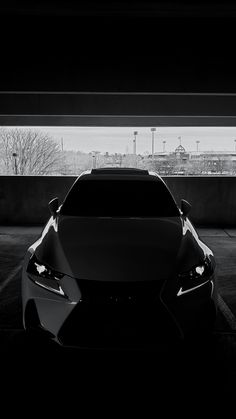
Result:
[{"x": 119, "y": 139}]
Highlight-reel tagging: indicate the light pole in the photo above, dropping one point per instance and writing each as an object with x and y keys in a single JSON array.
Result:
[
  {"x": 234, "y": 145},
  {"x": 197, "y": 142},
  {"x": 152, "y": 131},
  {"x": 15, "y": 155},
  {"x": 164, "y": 146},
  {"x": 94, "y": 159},
  {"x": 134, "y": 142},
  {"x": 134, "y": 147}
]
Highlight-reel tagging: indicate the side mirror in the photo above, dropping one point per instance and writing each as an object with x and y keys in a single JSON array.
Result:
[
  {"x": 185, "y": 207},
  {"x": 53, "y": 206}
]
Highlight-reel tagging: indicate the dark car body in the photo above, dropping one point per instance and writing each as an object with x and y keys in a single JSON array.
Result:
[{"x": 118, "y": 263}]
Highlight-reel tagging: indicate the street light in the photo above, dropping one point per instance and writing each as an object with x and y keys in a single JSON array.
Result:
[
  {"x": 15, "y": 155},
  {"x": 134, "y": 147},
  {"x": 94, "y": 156},
  {"x": 234, "y": 145},
  {"x": 197, "y": 142},
  {"x": 134, "y": 142},
  {"x": 164, "y": 148},
  {"x": 152, "y": 131}
]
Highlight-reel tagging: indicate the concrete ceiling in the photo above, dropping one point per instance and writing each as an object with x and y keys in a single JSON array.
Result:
[
  {"x": 117, "y": 109},
  {"x": 117, "y": 54},
  {"x": 158, "y": 8},
  {"x": 119, "y": 47}
]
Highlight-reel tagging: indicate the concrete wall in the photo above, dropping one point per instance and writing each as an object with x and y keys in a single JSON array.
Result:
[
  {"x": 213, "y": 199},
  {"x": 24, "y": 199}
]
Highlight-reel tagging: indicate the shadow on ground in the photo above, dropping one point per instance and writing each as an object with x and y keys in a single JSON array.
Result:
[{"x": 198, "y": 374}]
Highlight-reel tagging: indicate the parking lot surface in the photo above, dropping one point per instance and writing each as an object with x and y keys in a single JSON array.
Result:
[{"x": 210, "y": 363}]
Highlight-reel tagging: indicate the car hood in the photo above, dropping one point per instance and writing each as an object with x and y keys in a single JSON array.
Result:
[{"x": 110, "y": 249}]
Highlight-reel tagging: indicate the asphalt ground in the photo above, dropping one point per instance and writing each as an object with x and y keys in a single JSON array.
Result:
[{"x": 199, "y": 373}]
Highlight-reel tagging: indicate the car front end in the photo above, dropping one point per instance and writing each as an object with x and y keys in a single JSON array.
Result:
[
  {"x": 74, "y": 311},
  {"x": 130, "y": 270}
]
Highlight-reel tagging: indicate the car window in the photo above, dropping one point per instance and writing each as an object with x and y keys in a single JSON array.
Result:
[{"x": 119, "y": 198}]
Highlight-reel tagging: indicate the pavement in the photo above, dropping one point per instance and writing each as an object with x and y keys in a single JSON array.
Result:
[{"x": 210, "y": 363}]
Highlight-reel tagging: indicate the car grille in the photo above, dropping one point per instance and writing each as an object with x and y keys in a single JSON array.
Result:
[
  {"x": 118, "y": 314},
  {"x": 99, "y": 292}
]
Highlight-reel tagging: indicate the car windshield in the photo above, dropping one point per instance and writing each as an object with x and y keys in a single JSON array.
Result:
[{"x": 119, "y": 198}]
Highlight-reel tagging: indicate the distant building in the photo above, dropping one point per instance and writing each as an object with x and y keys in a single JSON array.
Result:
[
  {"x": 215, "y": 162},
  {"x": 181, "y": 162},
  {"x": 113, "y": 160}
]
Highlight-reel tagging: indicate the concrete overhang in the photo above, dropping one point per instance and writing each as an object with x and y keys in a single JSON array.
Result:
[{"x": 117, "y": 109}]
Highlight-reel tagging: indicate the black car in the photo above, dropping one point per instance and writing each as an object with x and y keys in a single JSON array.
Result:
[{"x": 118, "y": 263}]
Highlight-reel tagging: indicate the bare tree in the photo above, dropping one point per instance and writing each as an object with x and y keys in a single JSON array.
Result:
[{"x": 28, "y": 152}]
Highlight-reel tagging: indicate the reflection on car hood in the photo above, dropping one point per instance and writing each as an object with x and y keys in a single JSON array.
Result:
[{"x": 113, "y": 249}]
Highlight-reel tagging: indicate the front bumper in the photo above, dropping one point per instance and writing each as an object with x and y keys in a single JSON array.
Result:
[{"x": 121, "y": 315}]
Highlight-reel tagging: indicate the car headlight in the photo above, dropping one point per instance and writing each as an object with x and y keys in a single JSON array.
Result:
[
  {"x": 44, "y": 276},
  {"x": 195, "y": 277}
]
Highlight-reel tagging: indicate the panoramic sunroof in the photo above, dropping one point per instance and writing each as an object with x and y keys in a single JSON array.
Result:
[{"x": 71, "y": 150}]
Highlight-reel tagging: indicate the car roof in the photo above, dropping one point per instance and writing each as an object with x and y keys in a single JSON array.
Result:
[{"x": 119, "y": 171}]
